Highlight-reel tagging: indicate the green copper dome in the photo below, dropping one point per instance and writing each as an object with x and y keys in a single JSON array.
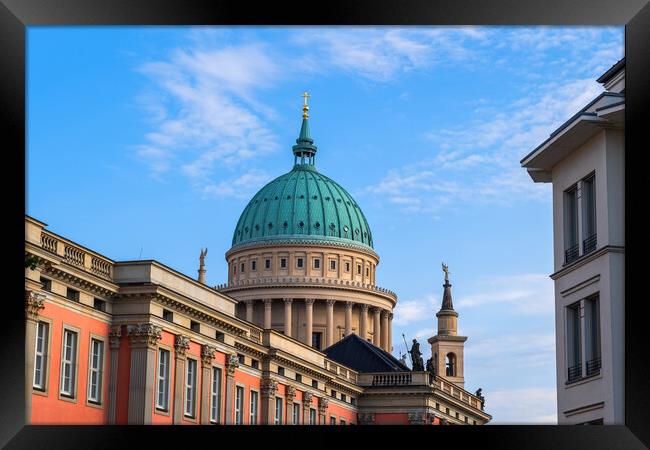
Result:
[{"x": 303, "y": 205}]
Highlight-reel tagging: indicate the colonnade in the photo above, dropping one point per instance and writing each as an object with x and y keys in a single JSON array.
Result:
[{"x": 382, "y": 320}]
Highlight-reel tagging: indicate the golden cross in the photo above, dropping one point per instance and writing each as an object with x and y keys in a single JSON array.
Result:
[{"x": 306, "y": 95}]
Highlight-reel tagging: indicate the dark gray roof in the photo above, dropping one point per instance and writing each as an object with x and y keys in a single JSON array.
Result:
[
  {"x": 362, "y": 356},
  {"x": 604, "y": 78},
  {"x": 447, "y": 304}
]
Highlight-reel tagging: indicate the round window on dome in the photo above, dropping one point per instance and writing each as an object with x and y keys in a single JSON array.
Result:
[
  {"x": 315, "y": 197},
  {"x": 317, "y": 225},
  {"x": 246, "y": 230},
  {"x": 285, "y": 225},
  {"x": 288, "y": 197},
  {"x": 345, "y": 228},
  {"x": 301, "y": 224},
  {"x": 276, "y": 197},
  {"x": 270, "y": 225},
  {"x": 327, "y": 198},
  {"x": 338, "y": 200},
  {"x": 257, "y": 227},
  {"x": 356, "y": 231},
  {"x": 302, "y": 196}
]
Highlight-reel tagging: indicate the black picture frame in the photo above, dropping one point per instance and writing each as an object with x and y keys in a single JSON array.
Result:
[{"x": 16, "y": 15}]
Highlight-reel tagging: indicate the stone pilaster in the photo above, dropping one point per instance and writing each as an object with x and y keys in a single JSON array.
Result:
[
  {"x": 232, "y": 362},
  {"x": 390, "y": 333},
  {"x": 363, "y": 321},
  {"x": 114, "y": 336},
  {"x": 269, "y": 390},
  {"x": 144, "y": 341},
  {"x": 34, "y": 302},
  {"x": 348, "y": 318},
  {"x": 376, "y": 337},
  {"x": 207, "y": 356},
  {"x": 306, "y": 406},
  {"x": 309, "y": 320},
  {"x": 384, "y": 329},
  {"x": 329, "y": 339},
  {"x": 323, "y": 404},
  {"x": 268, "y": 308},
  {"x": 290, "y": 396},
  {"x": 287, "y": 316},
  {"x": 249, "y": 309},
  {"x": 181, "y": 345}
]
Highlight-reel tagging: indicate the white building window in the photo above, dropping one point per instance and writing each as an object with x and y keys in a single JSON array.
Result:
[
  {"x": 69, "y": 363},
  {"x": 571, "y": 250},
  {"x": 41, "y": 355},
  {"x": 95, "y": 371},
  {"x": 588, "y": 200},
  {"x": 190, "y": 388},
  {"x": 316, "y": 263},
  {"x": 312, "y": 416},
  {"x": 162, "y": 389},
  {"x": 215, "y": 409},
  {"x": 253, "y": 409},
  {"x": 299, "y": 263},
  {"x": 239, "y": 405},
  {"x": 296, "y": 413},
  {"x": 278, "y": 411},
  {"x": 592, "y": 336},
  {"x": 573, "y": 342}
]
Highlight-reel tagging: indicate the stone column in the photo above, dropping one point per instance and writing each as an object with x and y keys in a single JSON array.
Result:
[
  {"x": 144, "y": 341},
  {"x": 363, "y": 321},
  {"x": 287, "y": 316},
  {"x": 114, "y": 336},
  {"x": 181, "y": 345},
  {"x": 249, "y": 309},
  {"x": 348, "y": 318},
  {"x": 390, "y": 333},
  {"x": 290, "y": 396},
  {"x": 329, "y": 340},
  {"x": 268, "y": 308},
  {"x": 269, "y": 389},
  {"x": 309, "y": 320},
  {"x": 34, "y": 302},
  {"x": 384, "y": 329},
  {"x": 207, "y": 355},
  {"x": 306, "y": 405},
  {"x": 323, "y": 403},
  {"x": 376, "y": 337},
  {"x": 232, "y": 362}
]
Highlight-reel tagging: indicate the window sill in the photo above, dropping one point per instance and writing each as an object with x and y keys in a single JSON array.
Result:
[
  {"x": 583, "y": 380},
  {"x": 161, "y": 411}
]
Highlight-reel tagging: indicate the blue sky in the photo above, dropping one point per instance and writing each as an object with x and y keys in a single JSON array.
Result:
[{"x": 147, "y": 142}]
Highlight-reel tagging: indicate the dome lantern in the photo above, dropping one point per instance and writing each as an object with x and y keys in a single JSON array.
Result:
[{"x": 305, "y": 148}]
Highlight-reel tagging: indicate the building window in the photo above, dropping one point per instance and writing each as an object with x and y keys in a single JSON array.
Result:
[
  {"x": 447, "y": 411},
  {"x": 347, "y": 266},
  {"x": 95, "y": 371},
  {"x": 332, "y": 264},
  {"x": 343, "y": 421},
  {"x": 99, "y": 305},
  {"x": 358, "y": 269},
  {"x": 570, "y": 224},
  {"x": 190, "y": 388},
  {"x": 278, "y": 411},
  {"x": 353, "y": 401},
  {"x": 314, "y": 384},
  {"x": 241, "y": 358},
  {"x": 253, "y": 265},
  {"x": 162, "y": 397},
  {"x": 168, "y": 315},
  {"x": 255, "y": 364},
  {"x": 239, "y": 405},
  {"x": 253, "y": 410},
  {"x": 296, "y": 413},
  {"x": 267, "y": 263},
  {"x": 243, "y": 268},
  {"x": 283, "y": 263},
  {"x": 47, "y": 284},
  {"x": 333, "y": 393},
  {"x": 299, "y": 263},
  {"x": 280, "y": 370},
  {"x": 332, "y": 420},
  {"x": 450, "y": 364},
  {"x": 344, "y": 398},
  {"x": 312, "y": 416},
  {"x": 316, "y": 263},
  {"x": 573, "y": 341},
  {"x": 299, "y": 377},
  {"x": 215, "y": 410},
  {"x": 588, "y": 214},
  {"x": 592, "y": 335},
  {"x": 234, "y": 269},
  {"x": 69, "y": 363},
  {"x": 367, "y": 271},
  {"x": 316, "y": 340},
  {"x": 71, "y": 294},
  {"x": 41, "y": 355},
  {"x": 195, "y": 326}
]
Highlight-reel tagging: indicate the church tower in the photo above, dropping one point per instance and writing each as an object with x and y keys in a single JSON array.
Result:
[{"x": 446, "y": 346}]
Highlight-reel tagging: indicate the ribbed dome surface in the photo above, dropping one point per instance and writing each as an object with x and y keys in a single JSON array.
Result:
[{"x": 303, "y": 205}]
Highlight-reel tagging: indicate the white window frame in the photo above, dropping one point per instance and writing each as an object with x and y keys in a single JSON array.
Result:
[
  {"x": 239, "y": 405},
  {"x": 96, "y": 370},
  {"x": 215, "y": 396},
  {"x": 313, "y": 417},
  {"x": 69, "y": 360},
  {"x": 190, "y": 387},
  {"x": 296, "y": 414},
  {"x": 254, "y": 402},
  {"x": 42, "y": 355},
  {"x": 277, "y": 419},
  {"x": 162, "y": 380}
]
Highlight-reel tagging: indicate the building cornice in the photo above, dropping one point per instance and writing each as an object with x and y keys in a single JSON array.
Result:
[
  {"x": 585, "y": 259},
  {"x": 283, "y": 241}
]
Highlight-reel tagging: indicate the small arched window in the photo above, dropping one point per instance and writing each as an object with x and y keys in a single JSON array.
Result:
[{"x": 450, "y": 364}]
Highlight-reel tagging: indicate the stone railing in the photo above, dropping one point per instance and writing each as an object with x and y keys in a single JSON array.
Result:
[
  {"x": 457, "y": 392},
  {"x": 341, "y": 371},
  {"x": 310, "y": 281},
  {"x": 77, "y": 256}
]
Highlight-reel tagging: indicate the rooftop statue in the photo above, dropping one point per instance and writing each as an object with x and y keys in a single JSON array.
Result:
[
  {"x": 416, "y": 357},
  {"x": 445, "y": 269}
]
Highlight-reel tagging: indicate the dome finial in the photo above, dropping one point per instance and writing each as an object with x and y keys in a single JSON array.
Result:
[{"x": 305, "y": 108}]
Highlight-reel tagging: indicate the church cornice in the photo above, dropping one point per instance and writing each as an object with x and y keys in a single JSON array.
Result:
[{"x": 281, "y": 241}]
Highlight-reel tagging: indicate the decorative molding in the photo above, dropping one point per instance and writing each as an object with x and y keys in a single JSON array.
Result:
[
  {"x": 331, "y": 302},
  {"x": 268, "y": 302},
  {"x": 302, "y": 241},
  {"x": 181, "y": 345},
  {"x": 365, "y": 418},
  {"x": 364, "y": 307},
  {"x": 207, "y": 354},
  {"x": 385, "y": 314},
  {"x": 269, "y": 387},
  {"x": 417, "y": 418},
  {"x": 34, "y": 302},
  {"x": 349, "y": 305},
  {"x": 232, "y": 362},
  {"x": 145, "y": 334},
  {"x": 290, "y": 393},
  {"x": 288, "y": 301},
  {"x": 306, "y": 399},
  {"x": 309, "y": 301},
  {"x": 323, "y": 404},
  {"x": 114, "y": 336},
  {"x": 67, "y": 277}
]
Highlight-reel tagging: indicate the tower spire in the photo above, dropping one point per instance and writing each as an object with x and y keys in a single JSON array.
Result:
[{"x": 304, "y": 151}]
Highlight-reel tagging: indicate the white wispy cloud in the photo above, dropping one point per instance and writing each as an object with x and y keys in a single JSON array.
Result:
[
  {"x": 415, "y": 310},
  {"x": 531, "y": 405},
  {"x": 243, "y": 186},
  {"x": 524, "y": 350}
]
